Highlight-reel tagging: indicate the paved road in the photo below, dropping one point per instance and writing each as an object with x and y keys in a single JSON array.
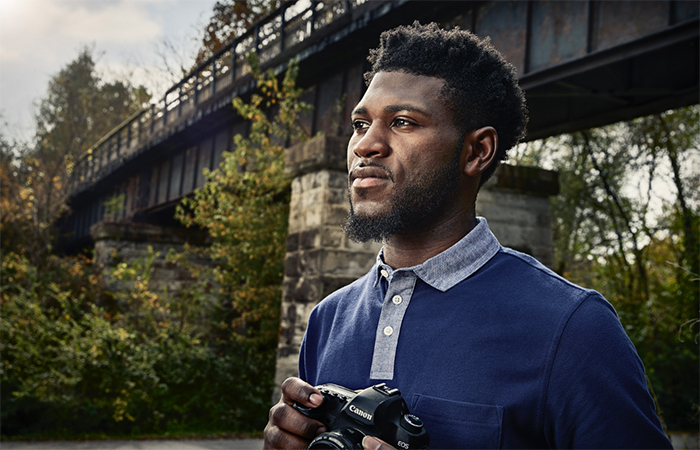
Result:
[
  {"x": 214, "y": 444},
  {"x": 681, "y": 441}
]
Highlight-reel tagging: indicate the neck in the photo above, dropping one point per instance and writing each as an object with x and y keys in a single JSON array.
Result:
[{"x": 413, "y": 248}]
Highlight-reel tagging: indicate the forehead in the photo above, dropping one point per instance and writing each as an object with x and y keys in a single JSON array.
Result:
[{"x": 401, "y": 89}]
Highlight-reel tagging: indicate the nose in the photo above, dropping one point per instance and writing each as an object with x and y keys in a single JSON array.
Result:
[{"x": 372, "y": 143}]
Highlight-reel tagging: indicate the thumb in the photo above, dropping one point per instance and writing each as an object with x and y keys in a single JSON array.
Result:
[{"x": 372, "y": 443}]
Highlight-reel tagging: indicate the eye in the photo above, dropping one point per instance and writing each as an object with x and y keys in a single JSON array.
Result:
[
  {"x": 402, "y": 123},
  {"x": 358, "y": 125}
]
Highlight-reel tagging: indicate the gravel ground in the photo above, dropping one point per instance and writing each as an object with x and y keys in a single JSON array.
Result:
[{"x": 213, "y": 444}]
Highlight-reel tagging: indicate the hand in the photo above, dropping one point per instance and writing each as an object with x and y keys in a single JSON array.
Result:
[
  {"x": 372, "y": 443},
  {"x": 287, "y": 427}
]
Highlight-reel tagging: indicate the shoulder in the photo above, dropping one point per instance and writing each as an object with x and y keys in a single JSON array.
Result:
[
  {"x": 345, "y": 297},
  {"x": 594, "y": 376},
  {"x": 583, "y": 318},
  {"x": 523, "y": 280},
  {"x": 525, "y": 266}
]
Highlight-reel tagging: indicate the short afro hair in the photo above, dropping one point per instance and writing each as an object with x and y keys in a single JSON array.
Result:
[{"x": 481, "y": 87}]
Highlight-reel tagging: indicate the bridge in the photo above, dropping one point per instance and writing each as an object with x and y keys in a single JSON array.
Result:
[{"x": 581, "y": 63}]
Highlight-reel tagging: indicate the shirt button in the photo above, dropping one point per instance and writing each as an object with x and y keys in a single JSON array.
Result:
[
  {"x": 396, "y": 299},
  {"x": 388, "y": 331},
  {"x": 384, "y": 273}
]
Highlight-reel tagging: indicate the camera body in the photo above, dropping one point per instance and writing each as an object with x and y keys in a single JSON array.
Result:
[{"x": 378, "y": 411}]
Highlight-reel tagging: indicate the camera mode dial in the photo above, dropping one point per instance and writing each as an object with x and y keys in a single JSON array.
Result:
[{"x": 412, "y": 423}]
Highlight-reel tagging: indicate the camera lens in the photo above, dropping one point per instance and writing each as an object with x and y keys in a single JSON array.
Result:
[{"x": 344, "y": 439}]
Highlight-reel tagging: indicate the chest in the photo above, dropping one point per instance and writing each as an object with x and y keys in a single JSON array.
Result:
[{"x": 468, "y": 369}]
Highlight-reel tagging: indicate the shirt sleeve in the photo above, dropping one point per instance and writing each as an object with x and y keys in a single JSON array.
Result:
[
  {"x": 597, "y": 395},
  {"x": 302, "y": 359},
  {"x": 307, "y": 362}
]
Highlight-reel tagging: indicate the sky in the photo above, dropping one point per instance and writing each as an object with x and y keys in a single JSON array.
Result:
[{"x": 129, "y": 37}]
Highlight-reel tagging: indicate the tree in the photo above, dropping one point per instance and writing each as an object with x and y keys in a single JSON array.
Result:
[
  {"x": 245, "y": 208},
  {"x": 627, "y": 224},
  {"x": 79, "y": 356},
  {"x": 79, "y": 108},
  {"x": 231, "y": 19}
]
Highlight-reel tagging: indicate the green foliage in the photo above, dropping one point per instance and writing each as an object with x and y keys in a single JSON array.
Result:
[
  {"x": 77, "y": 359},
  {"x": 114, "y": 205},
  {"x": 86, "y": 353},
  {"x": 245, "y": 208},
  {"x": 73, "y": 365},
  {"x": 626, "y": 224}
]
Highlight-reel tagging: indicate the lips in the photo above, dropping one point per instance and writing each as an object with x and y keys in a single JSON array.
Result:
[{"x": 368, "y": 177}]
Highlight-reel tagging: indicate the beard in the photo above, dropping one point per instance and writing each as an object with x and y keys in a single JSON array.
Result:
[{"x": 416, "y": 208}]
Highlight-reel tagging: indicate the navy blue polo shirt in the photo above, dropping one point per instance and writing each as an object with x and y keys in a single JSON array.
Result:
[{"x": 490, "y": 349}]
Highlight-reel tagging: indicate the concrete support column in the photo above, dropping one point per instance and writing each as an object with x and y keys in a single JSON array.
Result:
[
  {"x": 320, "y": 258},
  {"x": 515, "y": 202},
  {"x": 117, "y": 242}
]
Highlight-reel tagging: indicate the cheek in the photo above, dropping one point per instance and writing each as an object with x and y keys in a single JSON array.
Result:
[{"x": 426, "y": 158}]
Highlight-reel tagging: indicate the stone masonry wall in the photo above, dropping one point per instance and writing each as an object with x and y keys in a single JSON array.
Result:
[
  {"x": 128, "y": 242},
  {"x": 515, "y": 202},
  {"x": 320, "y": 258}
]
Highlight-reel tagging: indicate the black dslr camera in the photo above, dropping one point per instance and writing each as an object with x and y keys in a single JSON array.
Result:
[{"x": 377, "y": 411}]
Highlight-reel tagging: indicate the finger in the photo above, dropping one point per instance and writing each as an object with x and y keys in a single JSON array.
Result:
[
  {"x": 372, "y": 443},
  {"x": 297, "y": 390},
  {"x": 289, "y": 420},
  {"x": 275, "y": 438}
]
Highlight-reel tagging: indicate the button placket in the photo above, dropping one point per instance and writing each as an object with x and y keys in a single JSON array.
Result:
[{"x": 396, "y": 301}]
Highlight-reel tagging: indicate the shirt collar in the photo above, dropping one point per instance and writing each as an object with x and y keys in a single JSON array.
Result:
[{"x": 445, "y": 270}]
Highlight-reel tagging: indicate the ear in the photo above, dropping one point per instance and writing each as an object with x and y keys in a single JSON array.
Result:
[{"x": 479, "y": 151}]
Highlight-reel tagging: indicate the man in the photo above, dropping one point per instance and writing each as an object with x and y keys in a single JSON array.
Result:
[{"x": 488, "y": 347}]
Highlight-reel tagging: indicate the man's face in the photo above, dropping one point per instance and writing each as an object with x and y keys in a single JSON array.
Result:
[{"x": 403, "y": 157}]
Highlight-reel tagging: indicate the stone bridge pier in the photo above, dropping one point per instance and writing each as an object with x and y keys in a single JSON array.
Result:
[{"x": 321, "y": 259}]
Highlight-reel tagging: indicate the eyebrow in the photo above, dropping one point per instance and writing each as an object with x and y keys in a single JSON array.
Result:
[{"x": 393, "y": 108}]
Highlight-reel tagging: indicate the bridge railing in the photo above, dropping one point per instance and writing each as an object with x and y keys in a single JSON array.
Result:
[{"x": 292, "y": 23}]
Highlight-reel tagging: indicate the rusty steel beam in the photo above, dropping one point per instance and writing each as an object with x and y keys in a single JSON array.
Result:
[{"x": 581, "y": 63}]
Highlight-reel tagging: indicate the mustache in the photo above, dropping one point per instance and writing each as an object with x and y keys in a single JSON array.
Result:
[{"x": 370, "y": 167}]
